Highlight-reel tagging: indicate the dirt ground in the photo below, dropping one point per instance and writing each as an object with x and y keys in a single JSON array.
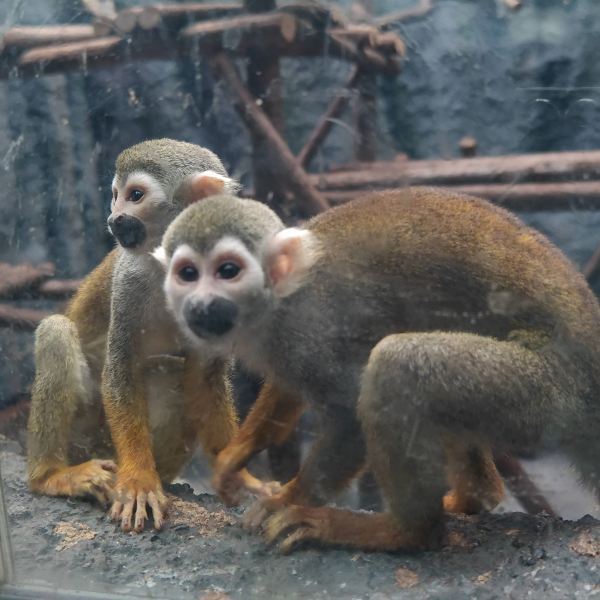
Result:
[{"x": 205, "y": 553}]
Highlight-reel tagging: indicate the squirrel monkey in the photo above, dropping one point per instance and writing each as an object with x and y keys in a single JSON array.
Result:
[
  {"x": 118, "y": 355},
  {"x": 411, "y": 321}
]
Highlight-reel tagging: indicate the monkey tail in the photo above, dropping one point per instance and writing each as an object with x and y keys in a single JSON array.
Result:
[{"x": 60, "y": 383}]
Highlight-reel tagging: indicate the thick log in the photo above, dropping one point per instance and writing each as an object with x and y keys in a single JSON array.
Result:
[
  {"x": 521, "y": 486},
  {"x": 323, "y": 127},
  {"x": 497, "y": 169},
  {"x": 522, "y": 197},
  {"x": 17, "y": 278},
  {"x": 255, "y": 119},
  {"x": 22, "y": 319},
  {"x": 27, "y": 37}
]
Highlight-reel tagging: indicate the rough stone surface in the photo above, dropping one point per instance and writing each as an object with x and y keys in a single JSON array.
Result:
[{"x": 70, "y": 543}]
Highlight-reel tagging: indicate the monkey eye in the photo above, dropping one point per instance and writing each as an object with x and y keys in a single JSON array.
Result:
[
  {"x": 228, "y": 270},
  {"x": 136, "y": 195},
  {"x": 188, "y": 273}
]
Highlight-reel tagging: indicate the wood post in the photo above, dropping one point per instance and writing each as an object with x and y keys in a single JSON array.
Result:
[
  {"x": 323, "y": 127},
  {"x": 277, "y": 151}
]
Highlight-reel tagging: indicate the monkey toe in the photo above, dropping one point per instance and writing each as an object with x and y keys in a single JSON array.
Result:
[{"x": 295, "y": 524}]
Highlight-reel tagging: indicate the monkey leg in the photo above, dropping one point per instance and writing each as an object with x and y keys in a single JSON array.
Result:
[
  {"x": 270, "y": 422},
  {"x": 335, "y": 457},
  {"x": 62, "y": 383},
  {"x": 418, "y": 389},
  {"x": 476, "y": 485}
]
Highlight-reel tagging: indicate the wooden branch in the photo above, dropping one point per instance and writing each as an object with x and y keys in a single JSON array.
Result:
[
  {"x": 323, "y": 127},
  {"x": 521, "y": 486},
  {"x": 523, "y": 197},
  {"x": 63, "y": 54},
  {"x": 16, "y": 278},
  {"x": 254, "y": 118},
  {"x": 23, "y": 319},
  {"x": 422, "y": 9},
  {"x": 340, "y": 47},
  {"x": 271, "y": 31},
  {"x": 26, "y": 37},
  {"x": 488, "y": 169},
  {"x": 280, "y": 33},
  {"x": 58, "y": 288}
]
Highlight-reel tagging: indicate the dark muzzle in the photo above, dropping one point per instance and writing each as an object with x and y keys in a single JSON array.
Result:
[
  {"x": 212, "y": 319},
  {"x": 129, "y": 231}
]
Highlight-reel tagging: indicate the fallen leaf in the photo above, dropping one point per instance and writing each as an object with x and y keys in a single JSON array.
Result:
[
  {"x": 405, "y": 578},
  {"x": 483, "y": 578},
  {"x": 72, "y": 534},
  {"x": 208, "y": 523},
  {"x": 586, "y": 544}
]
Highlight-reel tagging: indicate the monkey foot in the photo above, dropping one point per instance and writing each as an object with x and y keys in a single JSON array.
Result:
[
  {"x": 460, "y": 502},
  {"x": 92, "y": 478},
  {"x": 131, "y": 498},
  {"x": 274, "y": 498},
  {"x": 333, "y": 526}
]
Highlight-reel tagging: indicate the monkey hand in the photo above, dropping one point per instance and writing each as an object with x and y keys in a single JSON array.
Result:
[
  {"x": 233, "y": 487},
  {"x": 275, "y": 498},
  {"x": 132, "y": 494}
]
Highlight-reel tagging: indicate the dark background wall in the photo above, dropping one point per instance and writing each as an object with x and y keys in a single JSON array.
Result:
[{"x": 525, "y": 81}]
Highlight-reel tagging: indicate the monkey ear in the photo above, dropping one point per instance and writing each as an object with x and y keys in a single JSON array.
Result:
[
  {"x": 290, "y": 255},
  {"x": 201, "y": 185},
  {"x": 160, "y": 255}
]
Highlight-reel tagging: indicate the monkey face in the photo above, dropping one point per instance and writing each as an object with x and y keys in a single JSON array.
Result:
[
  {"x": 216, "y": 294},
  {"x": 140, "y": 210}
]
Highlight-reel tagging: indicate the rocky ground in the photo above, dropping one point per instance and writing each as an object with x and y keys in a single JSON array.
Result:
[{"x": 205, "y": 553}]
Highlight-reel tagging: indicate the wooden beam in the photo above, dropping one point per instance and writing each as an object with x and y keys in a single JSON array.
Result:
[
  {"x": 23, "y": 319},
  {"x": 489, "y": 169},
  {"x": 17, "y": 278},
  {"x": 26, "y": 37},
  {"x": 58, "y": 288},
  {"x": 307, "y": 197},
  {"x": 522, "y": 197},
  {"x": 323, "y": 127}
]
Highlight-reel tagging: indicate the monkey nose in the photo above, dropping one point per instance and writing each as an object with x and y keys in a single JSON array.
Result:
[{"x": 212, "y": 319}]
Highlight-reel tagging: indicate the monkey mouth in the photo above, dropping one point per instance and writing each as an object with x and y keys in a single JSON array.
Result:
[
  {"x": 212, "y": 320},
  {"x": 129, "y": 231}
]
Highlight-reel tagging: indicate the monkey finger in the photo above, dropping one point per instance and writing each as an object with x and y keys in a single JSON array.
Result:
[
  {"x": 280, "y": 522},
  {"x": 158, "y": 511},
  {"x": 100, "y": 494},
  {"x": 126, "y": 515},
  {"x": 255, "y": 516},
  {"x": 303, "y": 534},
  {"x": 140, "y": 512},
  {"x": 116, "y": 510}
]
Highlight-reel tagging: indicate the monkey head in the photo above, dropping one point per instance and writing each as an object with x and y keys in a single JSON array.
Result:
[
  {"x": 154, "y": 181},
  {"x": 228, "y": 263}
]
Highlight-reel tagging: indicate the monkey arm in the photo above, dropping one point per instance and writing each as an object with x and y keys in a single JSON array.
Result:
[
  {"x": 126, "y": 409},
  {"x": 270, "y": 422}
]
